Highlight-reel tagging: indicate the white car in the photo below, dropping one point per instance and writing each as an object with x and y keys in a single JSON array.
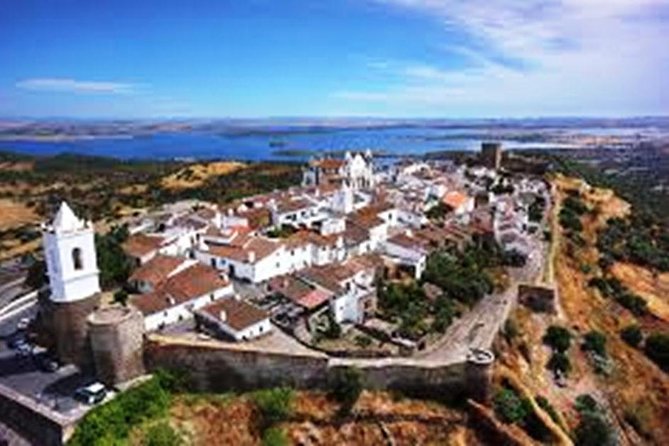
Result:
[{"x": 91, "y": 394}]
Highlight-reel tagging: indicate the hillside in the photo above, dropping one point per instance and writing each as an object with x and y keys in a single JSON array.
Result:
[
  {"x": 107, "y": 190},
  {"x": 632, "y": 391}
]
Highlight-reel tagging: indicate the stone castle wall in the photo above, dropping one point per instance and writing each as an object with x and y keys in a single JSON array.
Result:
[
  {"x": 67, "y": 324},
  {"x": 35, "y": 423},
  {"x": 219, "y": 367}
]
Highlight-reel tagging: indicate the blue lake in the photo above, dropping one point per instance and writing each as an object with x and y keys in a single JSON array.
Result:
[{"x": 259, "y": 146}]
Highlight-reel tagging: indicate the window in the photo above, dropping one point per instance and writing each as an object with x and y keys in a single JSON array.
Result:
[{"x": 77, "y": 260}]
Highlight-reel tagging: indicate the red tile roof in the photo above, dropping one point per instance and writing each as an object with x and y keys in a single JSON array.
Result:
[
  {"x": 239, "y": 315},
  {"x": 157, "y": 269},
  {"x": 195, "y": 281},
  {"x": 139, "y": 245}
]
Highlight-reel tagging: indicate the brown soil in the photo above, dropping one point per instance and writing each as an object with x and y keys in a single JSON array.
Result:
[
  {"x": 13, "y": 214},
  {"x": 377, "y": 417},
  {"x": 652, "y": 287},
  {"x": 196, "y": 174},
  {"x": 636, "y": 389}
]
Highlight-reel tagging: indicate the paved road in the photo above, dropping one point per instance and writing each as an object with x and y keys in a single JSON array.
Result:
[
  {"x": 479, "y": 327},
  {"x": 54, "y": 390}
]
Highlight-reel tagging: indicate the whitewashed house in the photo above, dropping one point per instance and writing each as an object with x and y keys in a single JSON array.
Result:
[
  {"x": 176, "y": 298},
  {"x": 234, "y": 318}
]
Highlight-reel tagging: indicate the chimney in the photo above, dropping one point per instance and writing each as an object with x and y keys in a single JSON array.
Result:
[
  {"x": 223, "y": 316},
  {"x": 251, "y": 256}
]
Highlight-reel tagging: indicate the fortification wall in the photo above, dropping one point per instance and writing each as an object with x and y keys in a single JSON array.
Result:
[
  {"x": 215, "y": 368},
  {"x": 116, "y": 335},
  {"x": 36, "y": 423},
  {"x": 220, "y": 367}
]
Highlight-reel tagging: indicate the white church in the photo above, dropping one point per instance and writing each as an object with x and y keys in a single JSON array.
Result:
[{"x": 356, "y": 170}]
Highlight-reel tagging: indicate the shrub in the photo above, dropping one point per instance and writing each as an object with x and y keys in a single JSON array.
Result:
[
  {"x": 510, "y": 329},
  {"x": 510, "y": 407},
  {"x": 657, "y": 349},
  {"x": 161, "y": 434},
  {"x": 559, "y": 362},
  {"x": 121, "y": 297},
  {"x": 274, "y": 437},
  {"x": 558, "y": 338},
  {"x": 346, "y": 388},
  {"x": 275, "y": 405},
  {"x": 115, "y": 419},
  {"x": 632, "y": 335},
  {"x": 595, "y": 342},
  {"x": 586, "y": 403},
  {"x": 593, "y": 430}
]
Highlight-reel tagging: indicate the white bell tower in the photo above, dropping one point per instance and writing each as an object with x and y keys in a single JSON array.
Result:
[{"x": 69, "y": 248}]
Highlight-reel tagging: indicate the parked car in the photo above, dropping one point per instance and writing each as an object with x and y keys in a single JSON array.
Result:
[{"x": 91, "y": 394}]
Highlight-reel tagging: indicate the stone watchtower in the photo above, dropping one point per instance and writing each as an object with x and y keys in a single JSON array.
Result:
[{"x": 69, "y": 249}]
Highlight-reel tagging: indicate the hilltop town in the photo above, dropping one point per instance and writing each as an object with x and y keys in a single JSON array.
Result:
[
  {"x": 423, "y": 276},
  {"x": 358, "y": 261}
]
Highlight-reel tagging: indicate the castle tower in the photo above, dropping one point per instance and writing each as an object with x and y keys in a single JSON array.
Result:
[{"x": 69, "y": 249}]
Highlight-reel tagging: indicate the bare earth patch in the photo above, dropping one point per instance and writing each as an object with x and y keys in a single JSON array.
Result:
[
  {"x": 14, "y": 214},
  {"x": 652, "y": 287},
  {"x": 195, "y": 175}
]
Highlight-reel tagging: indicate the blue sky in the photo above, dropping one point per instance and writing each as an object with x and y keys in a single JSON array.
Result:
[{"x": 386, "y": 58}]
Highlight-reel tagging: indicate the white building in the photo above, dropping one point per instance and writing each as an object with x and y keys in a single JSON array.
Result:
[
  {"x": 178, "y": 297},
  {"x": 355, "y": 169},
  {"x": 69, "y": 247},
  {"x": 234, "y": 318}
]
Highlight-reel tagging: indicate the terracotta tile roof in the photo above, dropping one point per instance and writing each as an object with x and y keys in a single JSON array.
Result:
[
  {"x": 241, "y": 252},
  {"x": 290, "y": 205},
  {"x": 195, "y": 281},
  {"x": 239, "y": 315},
  {"x": 157, "y": 269},
  {"x": 455, "y": 199},
  {"x": 300, "y": 292},
  {"x": 139, "y": 245},
  {"x": 355, "y": 235},
  {"x": 406, "y": 241}
]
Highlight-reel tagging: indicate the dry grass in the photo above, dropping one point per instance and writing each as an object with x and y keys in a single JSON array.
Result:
[
  {"x": 14, "y": 214},
  {"x": 233, "y": 421},
  {"x": 195, "y": 175},
  {"x": 652, "y": 287}
]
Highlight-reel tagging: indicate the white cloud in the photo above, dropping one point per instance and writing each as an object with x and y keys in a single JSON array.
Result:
[
  {"x": 76, "y": 86},
  {"x": 569, "y": 56}
]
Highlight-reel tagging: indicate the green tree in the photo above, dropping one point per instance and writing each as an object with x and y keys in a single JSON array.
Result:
[
  {"x": 593, "y": 430},
  {"x": 595, "y": 341},
  {"x": 632, "y": 335},
  {"x": 37, "y": 277},
  {"x": 346, "y": 388},
  {"x": 114, "y": 265},
  {"x": 510, "y": 407},
  {"x": 161, "y": 434},
  {"x": 275, "y": 405},
  {"x": 657, "y": 349},
  {"x": 559, "y": 362},
  {"x": 558, "y": 338},
  {"x": 121, "y": 297},
  {"x": 274, "y": 436}
]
